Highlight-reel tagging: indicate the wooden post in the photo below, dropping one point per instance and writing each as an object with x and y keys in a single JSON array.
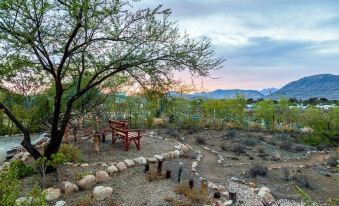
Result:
[
  {"x": 181, "y": 167},
  {"x": 159, "y": 166},
  {"x": 233, "y": 196},
  {"x": 146, "y": 168},
  {"x": 168, "y": 174},
  {"x": 96, "y": 142},
  {"x": 204, "y": 186},
  {"x": 191, "y": 183},
  {"x": 217, "y": 195}
]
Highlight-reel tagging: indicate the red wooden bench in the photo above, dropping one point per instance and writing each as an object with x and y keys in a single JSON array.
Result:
[{"x": 120, "y": 130}]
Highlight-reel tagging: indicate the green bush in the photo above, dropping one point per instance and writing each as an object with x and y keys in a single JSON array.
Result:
[
  {"x": 58, "y": 159},
  {"x": 20, "y": 168},
  {"x": 72, "y": 153},
  {"x": 38, "y": 197},
  {"x": 9, "y": 187}
]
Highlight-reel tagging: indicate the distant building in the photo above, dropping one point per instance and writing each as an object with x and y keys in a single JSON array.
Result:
[
  {"x": 299, "y": 106},
  {"x": 326, "y": 106}
]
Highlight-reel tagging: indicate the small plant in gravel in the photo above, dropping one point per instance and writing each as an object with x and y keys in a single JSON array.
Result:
[
  {"x": 80, "y": 175},
  {"x": 200, "y": 140},
  {"x": 194, "y": 196},
  {"x": 238, "y": 148},
  {"x": 42, "y": 164},
  {"x": 86, "y": 201},
  {"x": 286, "y": 145},
  {"x": 154, "y": 176},
  {"x": 257, "y": 170},
  {"x": 38, "y": 197},
  {"x": 58, "y": 159},
  {"x": 71, "y": 152},
  {"x": 20, "y": 168},
  {"x": 302, "y": 180},
  {"x": 299, "y": 148},
  {"x": 249, "y": 142},
  {"x": 232, "y": 133},
  {"x": 286, "y": 173},
  {"x": 332, "y": 162},
  {"x": 284, "y": 136}
]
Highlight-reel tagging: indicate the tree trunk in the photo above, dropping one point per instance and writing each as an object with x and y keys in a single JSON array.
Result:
[{"x": 26, "y": 143}]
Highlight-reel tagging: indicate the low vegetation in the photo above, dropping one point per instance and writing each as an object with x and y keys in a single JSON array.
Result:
[{"x": 257, "y": 170}]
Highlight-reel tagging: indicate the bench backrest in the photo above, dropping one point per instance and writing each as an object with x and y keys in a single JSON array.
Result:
[{"x": 118, "y": 124}]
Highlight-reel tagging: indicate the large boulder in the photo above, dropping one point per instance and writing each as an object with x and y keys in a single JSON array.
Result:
[
  {"x": 52, "y": 194},
  {"x": 87, "y": 182},
  {"x": 102, "y": 176},
  {"x": 121, "y": 166},
  {"x": 68, "y": 187},
  {"x": 112, "y": 169},
  {"x": 101, "y": 193}
]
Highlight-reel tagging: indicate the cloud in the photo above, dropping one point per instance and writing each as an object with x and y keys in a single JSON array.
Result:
[{"x": 262, "y": 39}]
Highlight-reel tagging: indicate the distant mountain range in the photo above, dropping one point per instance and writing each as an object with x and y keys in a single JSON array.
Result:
[{"x": 319, "y": 86}]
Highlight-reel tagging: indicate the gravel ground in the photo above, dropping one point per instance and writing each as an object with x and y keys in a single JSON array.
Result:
[
  {"x": 130, "y": 188},
  {"x": 150, "y": 145}
]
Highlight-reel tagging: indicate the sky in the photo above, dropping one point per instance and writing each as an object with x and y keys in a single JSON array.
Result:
[{"x": 266, "y": 43}]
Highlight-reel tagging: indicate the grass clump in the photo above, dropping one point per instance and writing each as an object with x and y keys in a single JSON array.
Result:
[
  {"x": 71, "y": 152},
  {"x": 257, "y": 170},
  {"x": 238, "y": 148},
  {"x": 302, "y": 180},
  {"x": 192, "y": 196},
  {"x": 154, "y": 176},
  {"x": 249, "y": 142},
  {"x": 299, "y": 148},
  {"x": 286, "y": 145}
]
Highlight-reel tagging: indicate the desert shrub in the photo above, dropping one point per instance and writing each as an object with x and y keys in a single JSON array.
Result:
[
  {"x": 86, "y": 201},
  {"x": 154, "y": 176},
  {"x": 238, "y": 148},
  {"x": 257, "y": 170},
  {"x": 20, "y": 168},
  {"x": 301, "y": 180},
  {"x": 41, "y": 164},
  {"x": 38, "y": 197},
  {"x": 232, "y": 133},
  {"x": 249, "y": 142},
  {"x": 71, "y": 152},
  {"x": 200, "y": 140},
  {"x": 284, "y": 136},
  {"x": 9, "y": 187},
  {"x": 305, "y": 197},
  {"x": 299, "y": 148},
  {"x": 58, "y": 159},
  {"x": 286, "y": 145},
  {"x": 332, "y": 162},
  {"x": 261, "y": 149},
  {"x": 194, "y": 196}
]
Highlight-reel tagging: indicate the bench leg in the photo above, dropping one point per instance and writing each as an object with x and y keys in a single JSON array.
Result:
[
  {"x": 126, "y": 144},
  {"x": 137, "y": 143}
]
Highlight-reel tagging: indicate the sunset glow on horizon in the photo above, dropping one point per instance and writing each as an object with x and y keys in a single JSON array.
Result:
[{"x": 265, "y": 43}]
